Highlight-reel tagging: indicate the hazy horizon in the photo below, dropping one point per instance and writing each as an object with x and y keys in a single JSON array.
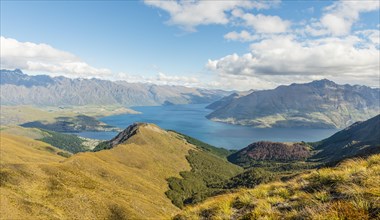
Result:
[{"x": 189, "y": 86}]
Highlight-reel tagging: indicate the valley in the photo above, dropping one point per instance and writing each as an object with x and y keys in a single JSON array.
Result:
[
  {"x": 146, "y": 172},
  {"x": 168, "y": 161}
]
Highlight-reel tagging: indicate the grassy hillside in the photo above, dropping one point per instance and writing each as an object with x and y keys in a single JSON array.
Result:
[
  {"x": 129, "y": 180},
  {"x": 349, "y": 191},
  {"x": 67, "y": 142},
  {"x": 33, "y": 133},
  {"x": 209, "y": 167},
  {"x": 21, "y": 150},
  {"x": 221, "y": 152},
  {"x": 361, "y": 138}
]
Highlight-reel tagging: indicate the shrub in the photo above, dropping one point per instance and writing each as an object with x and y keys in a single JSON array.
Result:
[
  {"x": 204, "y": 179},
  {"x": 68, "y": 142}
]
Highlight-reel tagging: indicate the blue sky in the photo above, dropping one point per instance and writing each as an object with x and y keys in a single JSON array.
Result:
[{"x": 213, "y": 44}]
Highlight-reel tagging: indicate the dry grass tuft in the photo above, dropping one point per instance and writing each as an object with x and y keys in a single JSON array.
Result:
[{"x": 348, "y": 191}]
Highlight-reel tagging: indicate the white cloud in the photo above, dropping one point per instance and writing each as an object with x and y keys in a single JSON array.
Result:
[
  {"x": 372, "y": 35},
  {"x": 161, "y": 79},
  {"x": 340, "y": 16},
  {"x": 336, "y": 24},
  {"x": 190, "y": 14},
  {"x": 266, "y": 24},
  {"x": 258, "y": 82},
  {"x": 45, "y": 58},
  {"x": 171, "y": 80},
  {"x": 284, "y": 56},
  {"x": 243, "y": 36}
]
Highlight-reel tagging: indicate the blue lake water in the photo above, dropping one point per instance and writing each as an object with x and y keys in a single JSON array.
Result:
[{"x": 190, "y": 120}]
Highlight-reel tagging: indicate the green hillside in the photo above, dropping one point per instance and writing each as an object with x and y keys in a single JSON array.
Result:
[
  {"x": 349, "y": 191},
  {"x": 68, "y": 142},
  {"x": 361, "y": 138},
  {"x": 207, "y": 173},
  {"x": 221, "y": 152}
]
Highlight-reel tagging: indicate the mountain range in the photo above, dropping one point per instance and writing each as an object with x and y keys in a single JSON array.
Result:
[
  {"x": 18, "y": 88},
  {"x": 318, "y": 104}
]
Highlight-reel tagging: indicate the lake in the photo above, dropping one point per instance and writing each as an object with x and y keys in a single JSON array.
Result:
[{"x": 190, "y": 120}]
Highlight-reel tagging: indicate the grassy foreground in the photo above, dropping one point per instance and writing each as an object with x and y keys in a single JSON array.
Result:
[
  {"x": 126, "y": 182},
  {"x": 348, "y": 191}
]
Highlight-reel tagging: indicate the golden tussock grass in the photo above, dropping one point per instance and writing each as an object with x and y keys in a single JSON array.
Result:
[
  {"x": 16, "y": 149},
  {"x": 348, "y": 191},
  {"x": 126, "y": 182}
]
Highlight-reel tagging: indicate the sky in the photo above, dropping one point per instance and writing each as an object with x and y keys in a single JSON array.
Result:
[{"x": 232, "y": 45}]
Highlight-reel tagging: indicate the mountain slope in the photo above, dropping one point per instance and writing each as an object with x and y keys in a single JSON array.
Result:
[
  {"x": 21, "y": 89},
  {"x": 18, "y": 150},
  {"x": 227, "y": 99},
  {"x": 349, "y": 191},
  {"x": 359, "y": 139},
  {"x": 127, "y": 181},
  {"x": 319, "y": 104},
  {"x": 209, "y": 167}
]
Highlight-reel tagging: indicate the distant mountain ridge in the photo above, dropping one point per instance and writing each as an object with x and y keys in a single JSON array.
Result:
[
  {"x": 318, "y": 104},
  {"x": 18, "y": 88}
]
